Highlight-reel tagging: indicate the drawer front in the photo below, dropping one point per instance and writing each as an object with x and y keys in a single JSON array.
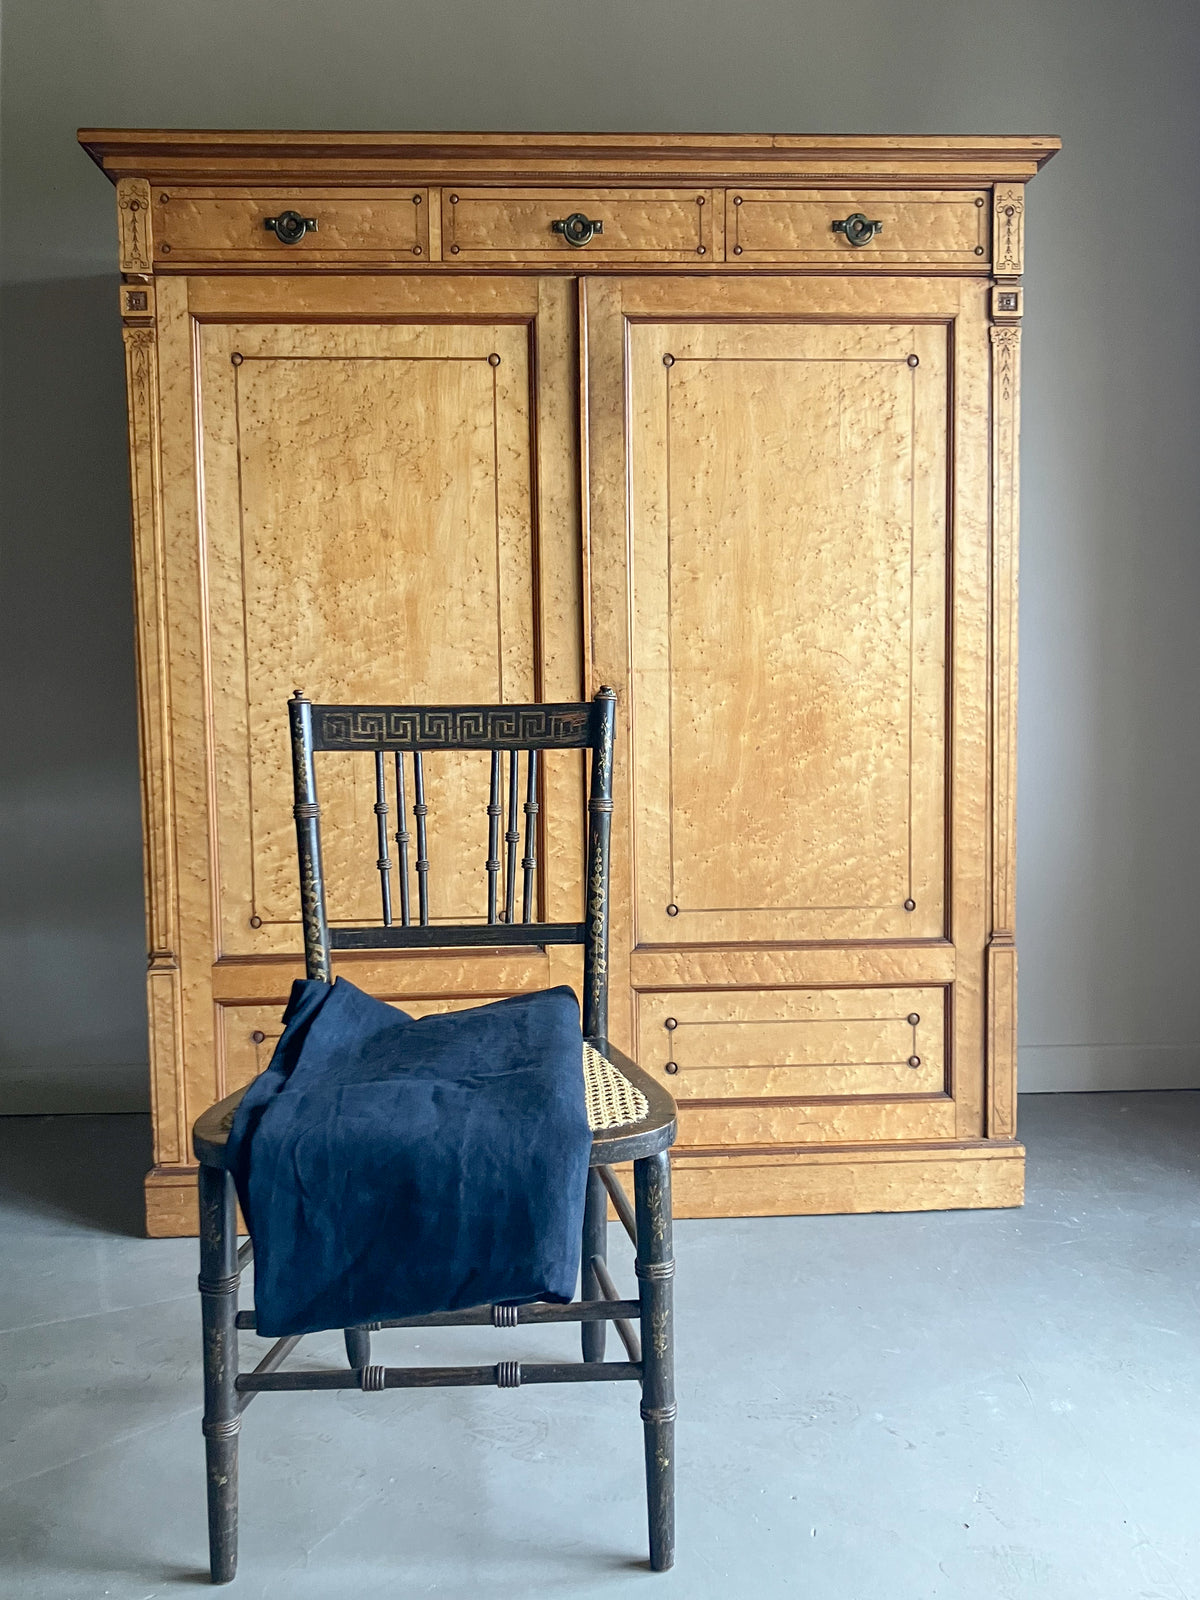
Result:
[
  {"x": 801, "y": 1066},
  {"x": 948, "y": 228},
  {"x": 229, "y": 226},
  {"x": 249, "y": 1034},
  {"x": 505, "y": 225}
]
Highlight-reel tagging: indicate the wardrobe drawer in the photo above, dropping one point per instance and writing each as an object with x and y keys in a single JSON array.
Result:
[
  {"x": 367, "y": 225},
  {"x": 518, "y": 224},
  {"x": 789, "y": 1044},
  {"x": 948, "y": 228},
  {"x": 249, "y": 1034}
]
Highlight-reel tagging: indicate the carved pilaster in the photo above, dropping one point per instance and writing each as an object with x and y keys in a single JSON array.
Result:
[
  {"x": 135, "y": 243},
  {"x": 1002, "y": 955},
  {"x": 154, "y": 719},
  {"x": 1008, "y": 230}
]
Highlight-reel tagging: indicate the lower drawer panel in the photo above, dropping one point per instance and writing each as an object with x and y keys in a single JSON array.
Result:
[
  {"x": 248, "y": 1034},
  {"x": 783, "y": 1045}
]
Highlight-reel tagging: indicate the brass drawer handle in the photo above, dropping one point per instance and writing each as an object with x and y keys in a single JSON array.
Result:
[
  {"x": 289, "y": 227},
  {"x": 577, "y": 229},
  {"x": 858, "y": 229}
]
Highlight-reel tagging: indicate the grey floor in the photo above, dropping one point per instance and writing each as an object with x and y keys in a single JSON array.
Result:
[{"x": 967, "y": 1406}]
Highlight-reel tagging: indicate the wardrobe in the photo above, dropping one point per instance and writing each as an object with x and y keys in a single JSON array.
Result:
[{"x": 728, "y": 423}]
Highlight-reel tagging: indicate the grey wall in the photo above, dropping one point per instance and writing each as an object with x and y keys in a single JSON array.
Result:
[{"x": 1110, "y": 749}]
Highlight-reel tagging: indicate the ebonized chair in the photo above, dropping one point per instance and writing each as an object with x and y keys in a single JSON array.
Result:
[{"x": 631, "y": 1116}]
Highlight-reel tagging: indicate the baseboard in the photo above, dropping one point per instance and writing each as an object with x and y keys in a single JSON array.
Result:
[
  {"x": 822, "y": 1181},
  {"x": 66, "y": 1091},
  {"x": 1078, "y": 1068}
]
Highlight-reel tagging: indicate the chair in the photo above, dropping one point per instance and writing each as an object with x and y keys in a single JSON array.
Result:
[{"x": 631, "y": 1116}]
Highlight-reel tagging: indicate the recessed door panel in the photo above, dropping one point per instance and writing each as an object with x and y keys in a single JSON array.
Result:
[
  {"x": 788, "y": 642},
  {"x": 369, "y": 491}
]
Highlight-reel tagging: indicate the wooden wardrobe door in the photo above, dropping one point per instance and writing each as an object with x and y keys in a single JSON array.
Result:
[
  {"x": 793, "y": 602},
  {"x": 372, "y": 497}
]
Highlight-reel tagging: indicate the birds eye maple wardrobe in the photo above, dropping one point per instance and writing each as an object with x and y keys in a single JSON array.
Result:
[{"x": 727, "y": 422}]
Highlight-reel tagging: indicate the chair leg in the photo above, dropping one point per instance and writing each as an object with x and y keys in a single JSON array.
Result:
[
  {"x": 655, "y": 1270},
  {"x": 358, "y": 1347},
  {"x": 219, "y": 1278},
  {"x": 595, "y": 1243}
]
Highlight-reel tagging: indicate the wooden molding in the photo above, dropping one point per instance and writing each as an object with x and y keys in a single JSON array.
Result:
[
  {"x": 155, "y": 724},
  {"x": 1002, "y": 955},
  {"x": 1002, "y": 1038},
  {"x": 1006, "y": 380},
  {"x": 801, "y": 1184},
  {"x": 755, "y": 1184},
  {"x": 204, "y": 156}
]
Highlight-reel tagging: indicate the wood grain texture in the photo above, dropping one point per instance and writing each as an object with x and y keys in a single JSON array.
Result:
[
  {"x": 793, "y": 1044},
  {"x": 272, "y": 575},
  {"x": 885, "y": 1122},
  {"x": 206, "y": 226},
  {"x": 795, "y": 966},
  {"x": 751, "y": 657},
  {"x": 155, "y": 735},
  {"x": 1002, "y": 956},
  {"x": 184, "y": 643},
  {"x": 943, "y": 229},
  {"x": 390, "y": 976},
  {"x": 343, "y": 466},
  {"x": 766, "y": 597},
  {"x": 515, "y": 225},
  {"x": 813, "y": 1184},
  {"x": 791, "y": 548}
]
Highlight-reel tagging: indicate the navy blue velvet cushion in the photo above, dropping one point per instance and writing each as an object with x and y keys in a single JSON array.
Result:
[{"x": 389, "y": 1166}]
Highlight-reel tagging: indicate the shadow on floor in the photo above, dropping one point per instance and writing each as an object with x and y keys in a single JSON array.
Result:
[{"x": 85, "y": 1169}]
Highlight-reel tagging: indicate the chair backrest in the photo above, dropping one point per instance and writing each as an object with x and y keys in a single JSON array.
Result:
[{"x": 406, "y": 733}]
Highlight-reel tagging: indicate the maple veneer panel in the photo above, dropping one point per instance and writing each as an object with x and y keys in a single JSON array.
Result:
[
  {"x": 342, "y": 467},
  {"x": 794, "y": 1044},
  {"x": 788, "y": 593},
  {"x": 937, "y": 228},
  {"x": 201, "y": 227},
  {"x": 514, "y": 225}
]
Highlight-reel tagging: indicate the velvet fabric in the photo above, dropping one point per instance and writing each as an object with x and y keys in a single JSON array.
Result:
[{"x": 389, "y": 1166}]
